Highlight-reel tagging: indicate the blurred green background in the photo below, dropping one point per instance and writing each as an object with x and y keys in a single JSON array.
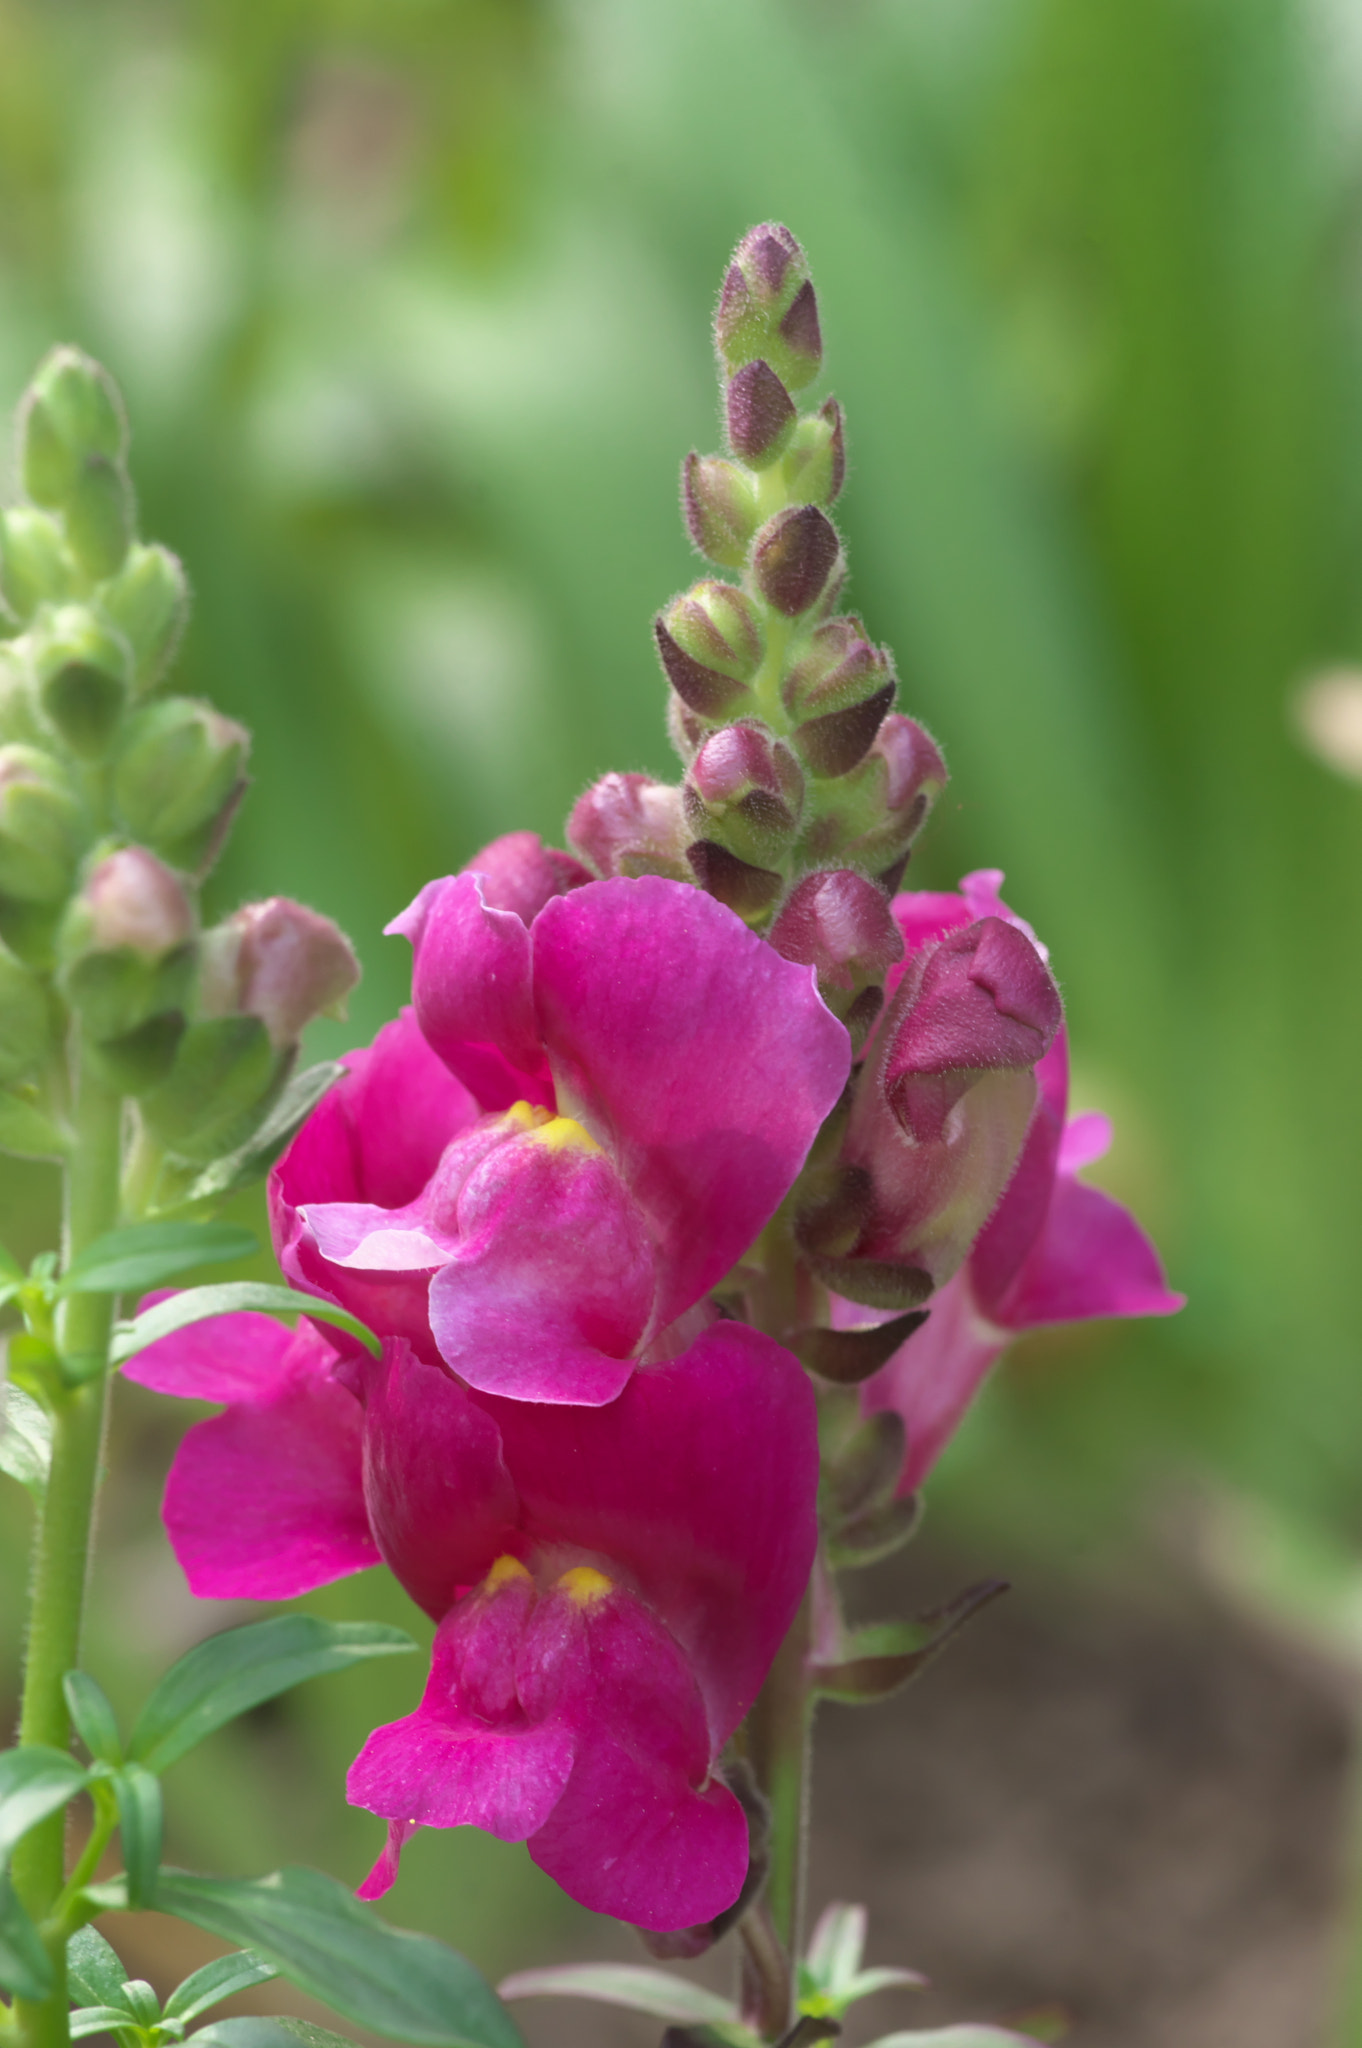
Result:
[{"x": 409, "y": 301}]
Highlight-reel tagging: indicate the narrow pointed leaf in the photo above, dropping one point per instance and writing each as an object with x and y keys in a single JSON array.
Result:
[
  {"x": 867, "y": 1982},
  {"x": 140, "y": 1825},
  {"x": 11, "y": 1272},
  {"x": 94, "y": 1718},
  {"x": 846, "y": 1357},
  {"x": 24, "y": 1966},
  {"x": 216, "y": 1981},
  {"x": 957, "y": 2037},
  {"x": 145, "y": 1254},
  {"x": 836, "y": 1947},
  {"x": 877, "y": 1660},
  {"x": 98, "y": 2019},
  {"x": 25, "y": 1440},
  {"x": 253, "y": 1160},
  {"x": 874, "y": 1535},
  {"x": 268, "y": 2033},
  {"x": 94, "y": 1970},
  {"x": 234, "y": 1671},
  {"x": 655, "y": 1992},
  {"x": 195, "y": 1304},
  {"x": 318, "y": 1935},
  {"x": 34, "y": 1782},
  {"x": 27, "y": 1131}
]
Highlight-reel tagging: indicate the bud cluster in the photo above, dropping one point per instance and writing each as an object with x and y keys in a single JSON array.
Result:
[
  {"x": 115, "y": 800},
  {"x": 803, "y": 786}
]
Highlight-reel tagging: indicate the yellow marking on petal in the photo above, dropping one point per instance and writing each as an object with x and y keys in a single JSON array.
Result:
[
  {"x": 528, "y": 1115},
  {"x": 503, "y": 1571},
  {"x": 565, "y": 1134},
  {"x": 585, "y": 1586}
]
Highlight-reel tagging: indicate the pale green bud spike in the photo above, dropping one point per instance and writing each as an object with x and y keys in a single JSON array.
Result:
[
  {"x": 43, "y": 828},
  {"x": 36, "y": 566},
  {"x": 71, "y": 414},
  {"x": 99, "y": 517},
  {"x": 25, "y": 1019},
  {"x": 83, "y": 668},
  {"x": 178, "y": 774},
  {"x": 18, "y": 703},
  {"x": 148, "y": 601}
]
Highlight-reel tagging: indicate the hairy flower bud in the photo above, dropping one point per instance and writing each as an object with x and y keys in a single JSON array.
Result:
[
  {"x": 25, "y": 1018},
  {"x": 745, "y": 791},
  {"x": 870, "y": 817},
  {"x": 43, "y": 828},
  {"x": 178, "y": 777},
  {"x": 83, "y": 670},
  {"x": 768, "y": 308},
  {"x": 794, "y": 559},
  {"x": 126, "y": 958},
  {"x": 18, "y": 705},
  {"x": 841, "y": 924},
  {"x": 35, "y": 563},
  {"x": 132, "y": 899},
  {"x": 280, "y": 962},
  {"x": 631, "y": 825},
  {"x": 719, "y": 505},
  {"x": 71, "y": 416},
  {"x": 520, "y": 873},
  {"x": 148, "y": 601},
  {"x": 99, "y": 515},
  {"x": 838, "y": 693},
  {"x": 745, "y": 888},
  {"x": 816, "y": 459},
  {"x": 710, "y": 647},
  {"x": 760, "y": 415}
]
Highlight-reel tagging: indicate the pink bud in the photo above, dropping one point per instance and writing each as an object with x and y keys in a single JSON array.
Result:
[
  {"x": 793, "y": 558},
  {"x": 133, "y": 899},
  {"x": 521, "y": 874},
  {"x": 841, "y": 924},
  {"x": 631, "y": 825},
  {"x": 761, "y": 414},
  {"x": 280, "y": 962}
]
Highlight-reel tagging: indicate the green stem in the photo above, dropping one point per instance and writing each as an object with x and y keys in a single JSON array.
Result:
[
  {"x": 778, "y": 1747},
  {"x": 62, "y": 1549}
]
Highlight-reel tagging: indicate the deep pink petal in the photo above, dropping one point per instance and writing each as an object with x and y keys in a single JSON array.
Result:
[
  {"x": 471, "y": 989},
  {"x": 702, "y": 1061},
  {"x": 240, "y": 1357},
  {"x": 441, "y": 1502},
  {"x": 1087, "y": 1138},
  {"x": 1093, "y": 1260},
  {"x": 931, "y": 1380},
  {"x": 550, "y": 1288},
  {"x": 1015, "y": 1226},
  {"x": 701, "y": 1480},
  {"x": 265, "y": 1501},
  {"x": 520, "y": 873}
]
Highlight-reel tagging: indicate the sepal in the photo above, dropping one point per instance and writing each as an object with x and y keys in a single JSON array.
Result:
[
  {"x": 873, "y": 1662},
  {"x": 720, "y": 508},
  {"x": 83, "y": 669},
  {"x": 43, "y": 826},
  {"x": 148, "y": 602}
]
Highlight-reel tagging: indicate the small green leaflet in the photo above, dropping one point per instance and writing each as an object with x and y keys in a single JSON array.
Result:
[
  {"x": 216, "y": 1981},
  {"x": 318, "y": 1935},
  {"x": 231, "y": 1672},
  {"x": 655, "y": 1992},
  {"x": 196, "y": 1304},
  {"x": 92, "y": 1716},
  {"x": 255, "y": 1158},
  {"x": 24, "y": 1968},
  {"x": 94, "y": 1970},
  {"x": 25, "y": 1440},
  {"x": 269, "y": 2033},
  {"x": 957, "y": 2037},
  {"x": 26, "y": 1131},
  {"x": 98, "y": 2019},
  {"x": 34, "y": 1782},
  {"x": 145, "y": 1254},
  {"x": 139, "y": 1831}
]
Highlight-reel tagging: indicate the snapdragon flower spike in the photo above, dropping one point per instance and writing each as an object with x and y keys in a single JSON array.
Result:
[
  {"x": 610, "y": 1584},
  {"x": 653, "y": 1077},
  {"x": 1053, "y": 1251},
  {"x": 939, "y": 1116}
]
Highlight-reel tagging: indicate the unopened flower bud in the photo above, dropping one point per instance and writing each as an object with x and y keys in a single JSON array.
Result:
[
  {"x": 760, "y": 414},
  {"x": 631, "y": 825},
  {"x": 148, "y": 601},
  {"x": 43, "y": 828},
  {"x": 25, "y": 1018},
  {"x": 839, "y": 692},
  {"x": 83, "y": 670},
  {"x": 719, "y": 504},
  {"x": 794, "y": 558},
  {"x": 126, "y": 958},
  {"x": 745, "y": 790},
  {"x": 99, "y": 517},
  {"x": 842, "y": 925},
  {"x": 280, "y": 962},
  {"x": 71, "y": 414},
  {"x": 35, "y": 563},
  {"x": 178, "y": 776},
  {"x": 18, "y": 706},
  {"x": 710, "y": 647},
  {"x": 768, "y": 308},
  {"x": 132, "y": 899},
  {"x": 870, "y": 817},
  {"x": 816, "y": 459},
  {"x": 520, "y": 873},
  {"x": 746, "y": 888}
]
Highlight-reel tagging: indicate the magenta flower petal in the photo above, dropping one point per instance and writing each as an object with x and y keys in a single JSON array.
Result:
[
  {"x": 471, "y": 988},
  {"x": 266, "y": 1501},
  {"x": 520, "y": 873},
  {"x": 700, "y": 1059},
  {"x": 931, "y": 1380},
  {"x": 1093, "y": 1260},
  {"x": 242, "y": 1357}
]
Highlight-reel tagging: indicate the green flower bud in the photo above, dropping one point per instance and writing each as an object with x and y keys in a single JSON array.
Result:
[
  {"x": 148, "y": 601},
  {"x": 225, "y": 1075},
  {"x": 25, "y": 1018},
  {"x": 83, "y": 669},
  {"x": 126, "y": 956},
  {"x": 71, "y": 413},
  {"x": 99, "y": 517},
  {"x": 178, "y": 777},
  {"x": 35, "y": 563},
  {"x": 745, "y": 792},
  {"x": 869, "y": 818},
  {"x": 816, "y": 461},
  {"x": 768, "y": 309},
  {"x": 43, "y": 828},
  {"x": 719, "y": 502},
  {"x": 710, "y": 646},
  {"x": 837, "y": 695},
  {"x": 18, "y": 705}
]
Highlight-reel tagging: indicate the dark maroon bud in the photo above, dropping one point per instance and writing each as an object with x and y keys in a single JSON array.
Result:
[
  {"x": 800, "y": 330},
  {"x": 832, "y": 745},
  {"x": 831, "y": 412},
  {"x": 631, "y": 825},
  {"x": 704, "y": 690},
  {"x": 841, "y": 924},
  {"x": 520, "y": 873},
  {"x": 794, "y": 557},
  {"x": 979, "y": 1001},
  {"x": 749, "y": 890},
  {"x": 767, "y": 308},
  {"x": 719, "y": 505},
  {"x": 761, "y": 415}
]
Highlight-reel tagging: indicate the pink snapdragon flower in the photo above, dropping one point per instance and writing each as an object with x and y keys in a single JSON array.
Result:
[
  {"x": 642, "y": 1078},
  {"x": 1053, "y": 1251},
  {"x": 610, "y": 1584}
]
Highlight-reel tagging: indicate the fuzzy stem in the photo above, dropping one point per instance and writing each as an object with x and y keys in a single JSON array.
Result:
[{"x": 62, "y": 1548}]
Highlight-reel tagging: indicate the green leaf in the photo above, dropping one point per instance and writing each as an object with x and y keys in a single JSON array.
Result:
[
  {"x": 94, "y": 1970},
  {"x": 24, "y": 1966},
  {"x": 957, "y": 2037},
  {"x": 34, "y": 1782},
  {"x": 835, "y": 1947},
  {"x": 317, "y": 1934},
  {"x": 11, "y": 1272},
  {"x": 94, "y": 1718},
  {"x": 234, "y": 1671},
  {"x": 216, "y": 1981},
  {"x": 98, "y": 2019},
  {"x": 268, "y": 2033},
  {"x": 195, "y": 1304},
  {"x": 877, "y": 1660},
  {"x": 140, "y": 1826},
  {"x": 25, "y": 1440},
  {"x": 655, "y": 1992},
  {"x": 26, "y": 1131},
  {"x": 251, "y": 1161},
  {"x": 145, "y": 1254}
]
